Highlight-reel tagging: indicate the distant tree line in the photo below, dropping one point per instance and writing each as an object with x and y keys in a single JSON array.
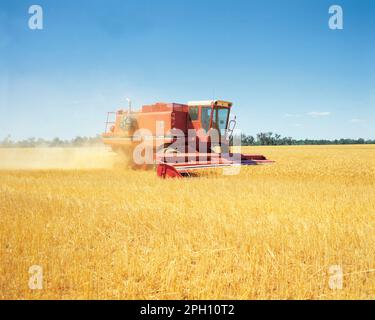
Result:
[
  {"x": 56, "y": 142},
  {"x": 261, "y": 139},
  {"x": 274, "y": 139}
]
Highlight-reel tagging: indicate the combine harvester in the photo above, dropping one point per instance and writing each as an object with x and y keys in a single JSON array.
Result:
[{"x": 182, "y": 138}]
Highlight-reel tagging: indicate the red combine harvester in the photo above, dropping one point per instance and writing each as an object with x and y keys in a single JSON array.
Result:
[{"x": 181, "y": 138}]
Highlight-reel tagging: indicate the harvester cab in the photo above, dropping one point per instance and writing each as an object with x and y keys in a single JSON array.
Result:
[
  {"x": 181, "y": 137},
  {"x": 212, "y": 115}
]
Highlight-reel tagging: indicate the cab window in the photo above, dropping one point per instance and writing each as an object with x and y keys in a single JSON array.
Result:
[
  {"x": 205, "y": 117},
  {"x": 220, "y": 119},
  {"x": 193, "y": 113}
]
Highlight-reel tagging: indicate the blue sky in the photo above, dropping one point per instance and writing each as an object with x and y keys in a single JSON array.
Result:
[{"x": 278, "y": 61}]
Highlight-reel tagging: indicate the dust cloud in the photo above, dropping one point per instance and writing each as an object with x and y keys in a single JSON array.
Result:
[{"x": 57, "y": 158}]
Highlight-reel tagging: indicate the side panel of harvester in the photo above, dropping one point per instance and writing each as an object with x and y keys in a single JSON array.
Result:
[
  {"x": 156, "y": 121},
  {"x": 169, "y": 116}
]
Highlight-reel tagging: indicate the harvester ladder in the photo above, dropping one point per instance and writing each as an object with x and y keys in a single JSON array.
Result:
[{"x": 108, "y": 120}]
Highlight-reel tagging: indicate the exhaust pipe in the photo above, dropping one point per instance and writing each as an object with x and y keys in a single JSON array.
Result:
[{"x": 129, "y": 105}]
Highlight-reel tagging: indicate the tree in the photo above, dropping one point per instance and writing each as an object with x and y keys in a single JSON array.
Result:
[
  {"x": 7, "y": 142},
  {"x": 247, "y": 140},
  {"x": 266, "y": 138},
  {"x": 56, "y": 142}
]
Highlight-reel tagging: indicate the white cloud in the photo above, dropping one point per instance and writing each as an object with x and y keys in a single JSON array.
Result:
[
  {"x": 291, "y": 115},
  {"x": 355, "y": 120},
  {"x": 316, "y": 114}
]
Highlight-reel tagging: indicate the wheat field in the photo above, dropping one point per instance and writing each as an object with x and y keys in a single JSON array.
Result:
[{"x": 101, "y": 231}]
